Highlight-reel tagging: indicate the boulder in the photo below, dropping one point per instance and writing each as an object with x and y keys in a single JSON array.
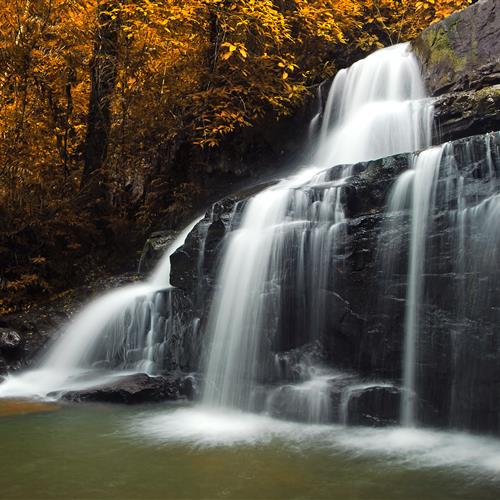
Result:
[
  {"x": 129, "y": 389},
  {"x": 315, "y": 400},
  {"x": 462, "y": 52},
  {"x": 190, "y": 386},
  {"x": 375, "y": 405}
]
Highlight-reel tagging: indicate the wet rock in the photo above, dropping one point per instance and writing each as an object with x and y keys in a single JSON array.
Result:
[
  {"x": 154, "y": 248},
  {"x": 462, "y": 52},
  {"x": 363, "y": 329},
  {"x": 190, "y": 386},
  {"x": 461, "y": 114},
  {"x": 130, "y": 389},
  {"x": 374, "y": 406},
  {"x": 195, "y": 264},
  {"x": 290, "y": 402},
  {"x": 366, "y": 192},
  {"x": 10, "y": 341},
  {"x": 12, "y": 350},
  {"x": 294, "y": 365},
  {"x": 318, "y": 400}
]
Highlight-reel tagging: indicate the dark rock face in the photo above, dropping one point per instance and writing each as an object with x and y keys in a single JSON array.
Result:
[
  {"x": 11, "y": 349},
  {"x": 367, "y": 192},
  {"x": 375, "y": 406},
  {"x": 154, "y": 248},
  {"x": 461, "y": 114},
  {"x": 363, "y": 332},
  {"x": 462, "y": 52},
  {"x": 456, "y": 370},
  {"x": 133, "y": 389},
  {"x": 204, "y": 243},
  {"x": 159, "y": 327},
  {"x": 460, "y": 59}
]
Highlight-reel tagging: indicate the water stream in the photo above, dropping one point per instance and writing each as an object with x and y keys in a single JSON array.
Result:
[
  {"x": 451, "y": 199},
  {"x": 423, "y": 179},
  {"x": 106, "y": 336},
  {"x": 374, "y": 109}
]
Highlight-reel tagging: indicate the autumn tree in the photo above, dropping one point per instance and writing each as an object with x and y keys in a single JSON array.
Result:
[
  {"x": 103, "y": 71},
  {"x": 138, "y": 96}
]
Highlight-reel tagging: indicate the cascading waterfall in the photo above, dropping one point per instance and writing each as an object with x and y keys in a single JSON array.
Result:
[
  {"x": 375, "y": 109},
  {"x": 120, "y": 330},
  {"x": 291, "y": 234},
  {"x": 452, "y": 198},
  {"x": 279, "y": 298}
]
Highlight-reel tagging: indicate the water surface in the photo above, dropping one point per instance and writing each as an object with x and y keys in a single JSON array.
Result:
[{"x": 170, "y": 451}]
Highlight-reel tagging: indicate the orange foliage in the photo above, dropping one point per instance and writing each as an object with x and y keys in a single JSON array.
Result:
[{"x": 187, "y": 72}]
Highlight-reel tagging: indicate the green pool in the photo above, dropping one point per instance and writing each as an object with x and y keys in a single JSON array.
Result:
[{"x": 170, "y": 451}]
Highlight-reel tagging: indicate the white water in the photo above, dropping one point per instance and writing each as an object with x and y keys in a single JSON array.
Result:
[
  {"x": 68, "y": 362},
  {"x": 374, "y": 109},
  {"x": 423, "y": 178},
  {"x": 308, "y": 401},
  {"x": 440, "y": 186},
  {"x": 398, "y": 446}
]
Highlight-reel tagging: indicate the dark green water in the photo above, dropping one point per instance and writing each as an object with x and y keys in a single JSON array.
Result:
[{"x": 159, "y": 452}]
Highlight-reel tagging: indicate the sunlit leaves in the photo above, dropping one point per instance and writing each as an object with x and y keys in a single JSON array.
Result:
[{"x": 189, "y": 72}]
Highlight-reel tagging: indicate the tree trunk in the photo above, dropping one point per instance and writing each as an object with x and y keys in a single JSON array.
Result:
[{"x": 103, "y": 71}]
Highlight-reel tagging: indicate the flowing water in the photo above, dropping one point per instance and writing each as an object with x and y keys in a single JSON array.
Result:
[
  {"x": 106, "y": 335},
  {"x": 374, "y": 109},
  {"x": 290, "y": 238},
  {"x": 451, "y": 198},
  {"x": 423, "y": 179}
]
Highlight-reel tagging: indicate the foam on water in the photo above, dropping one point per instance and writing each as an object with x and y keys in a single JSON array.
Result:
[
  {"x": 215, "y": 427},
  {"x": 409, "y": 447}
]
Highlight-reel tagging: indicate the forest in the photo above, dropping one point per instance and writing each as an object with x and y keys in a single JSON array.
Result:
[
  {"x": 113, "y": 112},
  {"x": 250, "y": 249}
]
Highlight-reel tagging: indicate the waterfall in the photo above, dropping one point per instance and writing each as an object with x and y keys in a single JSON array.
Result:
[
  {"x": 284, "y": 331},
  {"x": 292, "y": 234},
  {"x": 119, "y": 330},
  {"x": 452, "y": 198},
  {"x": 423, "y": 178}
]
